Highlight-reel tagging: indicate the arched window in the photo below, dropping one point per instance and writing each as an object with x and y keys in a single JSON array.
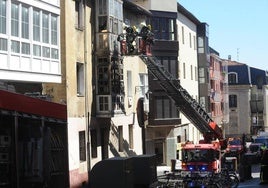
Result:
[{"x": 232, "y": 78}]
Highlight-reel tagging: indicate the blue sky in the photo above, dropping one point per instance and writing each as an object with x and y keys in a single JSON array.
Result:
[{"x": 236, "y": 27}]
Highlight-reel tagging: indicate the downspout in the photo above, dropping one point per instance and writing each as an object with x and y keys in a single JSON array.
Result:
[{"x": 87, "y": 122}]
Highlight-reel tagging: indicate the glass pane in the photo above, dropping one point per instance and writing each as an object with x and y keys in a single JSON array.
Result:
[
  {"x": 36, "y": 25},
  {"x": 36, "y": 50},
  {"x": 45, "y": 29},
  {"x": 54, "y": 30},
  {"x": 25, "y": 48},
  {"x": 15, "y": 46},
  {"x": 54, "y": 53},
  {"x": 3, "y": 44},
  {"x": 46, "y": 52},
  {"x": 14, "y": 20},
  {"x": 25, "y": 23},
  {"x": 2, "y": 16}
]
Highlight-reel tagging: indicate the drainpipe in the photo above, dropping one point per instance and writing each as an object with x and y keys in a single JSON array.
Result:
[{"x": 87, "y": 114}]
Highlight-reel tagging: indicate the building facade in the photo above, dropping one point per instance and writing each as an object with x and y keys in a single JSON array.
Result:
[
  {"x": 247, "y": 99},
  {"x": 30, "y": 41},
  {"x": 188, "y": 66},
  {"x": 218, "y": 74}
]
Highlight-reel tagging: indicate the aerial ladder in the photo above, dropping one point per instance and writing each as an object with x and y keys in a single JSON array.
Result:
[{"x": 183, "y": 100}]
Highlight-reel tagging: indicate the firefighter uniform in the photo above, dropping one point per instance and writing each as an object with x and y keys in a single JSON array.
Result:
[{"x": 264, "y": 167}]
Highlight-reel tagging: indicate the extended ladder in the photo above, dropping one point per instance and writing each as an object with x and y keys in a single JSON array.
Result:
[{"x": 183, "y": 100}]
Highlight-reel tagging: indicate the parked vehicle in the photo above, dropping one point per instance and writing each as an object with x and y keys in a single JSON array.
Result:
[{"x": 256, "y": 150}]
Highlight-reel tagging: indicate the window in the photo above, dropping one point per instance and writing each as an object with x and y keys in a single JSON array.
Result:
[
  {"x": 15, "y": 46},
  {"x": 54, "y": 30},
  {"x": 79, "y": 14},
  {"x": 103, "y": 80},
  {"x": 195, "y": 73},
  {"x": 36, "y": 50},
  {"x": 190, "y": 40},
  {"x": 25, "y": 48},
  {"x": 232, "y": 101},
  {"x": 25, "y": 22},
  {"x": 129, "y": 83},
  {"x": 36, "y": 25},
  {"x": 118, "y": 102},
  {"x": 143, "y": 84},
  {"x": 46, "y": 52},
  {"x": 14, "y": 20},
  {"x": 103, "y": 24},
  {"x": 102, "y": 7},
  {"x": 94, "y": 146},
  {"x": 184, "y": 71},
  {"x": 191, "y": 72},
  {"x": 3, "y": 44},
  {"x": 165, "y": 108},
  {"x": 80, "y": 79},
  {"x": 3, "y": 16},
  {"x": 232, "y": 78},
  {"x": 120, "y": 139},
  {"x": 164, "y": 28},
  {"x": 194, "y": 40},
  {"x": 82, "y": 146},
  {"x": 130, "y": 136},
  {"x": 54, "y": 53},
  {"x": 201, "y": 45},
  {"x": 103, "y": 103},
  {"x": 45, "y": 28},
  {"x": 182, "y": 34}
]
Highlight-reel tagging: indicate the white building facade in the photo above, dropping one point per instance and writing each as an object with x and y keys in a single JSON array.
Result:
[
  {"x": 188, "y": 67},
  {"x": 30, "y": 41}
]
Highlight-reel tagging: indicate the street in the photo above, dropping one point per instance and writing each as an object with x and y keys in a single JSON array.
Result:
[
  {"x": 255, "y": 181},
  {"x": 252, "y": 183}
]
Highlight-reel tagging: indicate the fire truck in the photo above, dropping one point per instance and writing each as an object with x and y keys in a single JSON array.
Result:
[{"x": 208, "y": 150}]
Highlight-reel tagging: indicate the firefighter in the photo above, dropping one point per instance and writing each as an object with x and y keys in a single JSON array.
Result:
[{"x": 264, "y": 167}]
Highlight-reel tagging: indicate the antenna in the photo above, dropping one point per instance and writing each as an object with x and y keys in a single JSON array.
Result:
[{"x": 237, "y": 54}]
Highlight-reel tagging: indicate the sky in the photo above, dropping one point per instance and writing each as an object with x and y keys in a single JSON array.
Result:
[{"x": 236, "y": 27}]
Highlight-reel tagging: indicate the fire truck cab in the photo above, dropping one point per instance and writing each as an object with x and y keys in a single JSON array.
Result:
[{"x": 202, "y": 157}]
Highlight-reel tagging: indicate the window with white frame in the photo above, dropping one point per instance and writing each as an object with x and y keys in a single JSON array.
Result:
[
  {"x": 80, "y": 79},
  {"x": 232, "y": 78},
  {"x": 3, "y": 44},
  {"x": 25, "y": 48},
  {"x": 103, "y": 80},
  {"x": 54, "y": 30},
  {"x": 3, "y": 16},
  {"x": 129, "y": 83},
  {"x": 36, "y": 50},
  {"x": 143, "y": 84},
  {"x": 36, "y": 25},
  {"x": 103, "y": 103},
  {"x": 14, "y": 20},
  {"x": 25, "y": 22},
  {"x": 15, "y": 46},
  {"x": 46, "y": 51},
  {"x": 45, "y": 27}
]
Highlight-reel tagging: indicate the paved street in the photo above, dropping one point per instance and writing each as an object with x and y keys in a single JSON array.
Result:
[
  {"x": 255, "y": 181},
  {"x": 252, "y": 183}
]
